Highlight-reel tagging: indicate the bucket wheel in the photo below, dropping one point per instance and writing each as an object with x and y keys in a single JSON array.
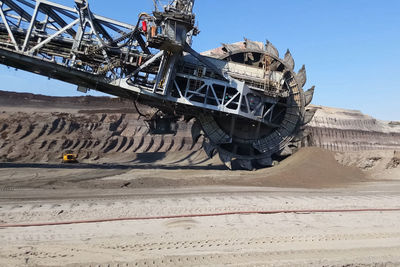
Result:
[{"x": 252, "y": 144}]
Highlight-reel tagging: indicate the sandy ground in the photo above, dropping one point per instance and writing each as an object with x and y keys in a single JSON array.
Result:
[
  {"x": 137, "y": 200},
  {"x": 303, "y": 238},
  {"x": 210, "y": 216}
]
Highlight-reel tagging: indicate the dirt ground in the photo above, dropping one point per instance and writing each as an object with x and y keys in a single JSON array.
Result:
[
  {"x": 309, "y": 210},
  {"x": 136, "y": 200},
  {"x": 311, "y": 167}
]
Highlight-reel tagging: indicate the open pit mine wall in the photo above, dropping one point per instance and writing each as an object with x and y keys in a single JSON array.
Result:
[
  {"x": 36, "y": 128},
  {"x": 108, "y": 130},
  {"x": 344, "y": 130},
  {"x": 96, "y": 137}
]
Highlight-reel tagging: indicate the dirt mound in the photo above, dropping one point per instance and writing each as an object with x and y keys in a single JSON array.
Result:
[{"x": 311, "y": 168}]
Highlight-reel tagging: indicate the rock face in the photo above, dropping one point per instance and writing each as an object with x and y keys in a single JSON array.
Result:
[
  {"x": 349, "y": 131},
  {"x": 36, "y": 128}
]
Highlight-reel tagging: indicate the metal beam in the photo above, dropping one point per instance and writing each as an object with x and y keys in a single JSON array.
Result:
[
  {"x": 147, "y": 63},
  {"x": 100, "y": 28},
  {"x": 10, "y": 33},
  {"x": 29, "y": 4},
  {"x": 52, "y": 14},
  {"x": 54, "y": 35},
  {"x": 17, "y": 9},
  {"x": 206, "y": 62},
  {"x": 31, "y": 26},
  {"x": 60, "y": 7},
  {"x": 141, "y": 42}
]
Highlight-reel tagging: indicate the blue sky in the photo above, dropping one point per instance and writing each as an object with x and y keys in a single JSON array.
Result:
[{"x": 351, "y": 48}]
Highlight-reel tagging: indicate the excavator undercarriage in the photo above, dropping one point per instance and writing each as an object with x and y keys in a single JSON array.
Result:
[{"x": 246, "y": 101}]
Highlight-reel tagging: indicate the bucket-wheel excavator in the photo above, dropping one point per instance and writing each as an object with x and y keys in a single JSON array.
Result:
[{"x": 246, "y": 101}]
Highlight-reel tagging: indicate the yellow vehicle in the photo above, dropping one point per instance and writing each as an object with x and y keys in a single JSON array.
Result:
[{"x": 70, "y": 158}]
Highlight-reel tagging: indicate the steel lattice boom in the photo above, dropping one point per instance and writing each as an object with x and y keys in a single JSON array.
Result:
[{"x": 247, "y": 102}]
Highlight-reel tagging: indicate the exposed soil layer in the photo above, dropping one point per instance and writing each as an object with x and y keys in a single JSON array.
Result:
[
  {"x": 351, "y": 131},
  {"x": 108, "y": 134},
  {"x": 38, "y": 129}
]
